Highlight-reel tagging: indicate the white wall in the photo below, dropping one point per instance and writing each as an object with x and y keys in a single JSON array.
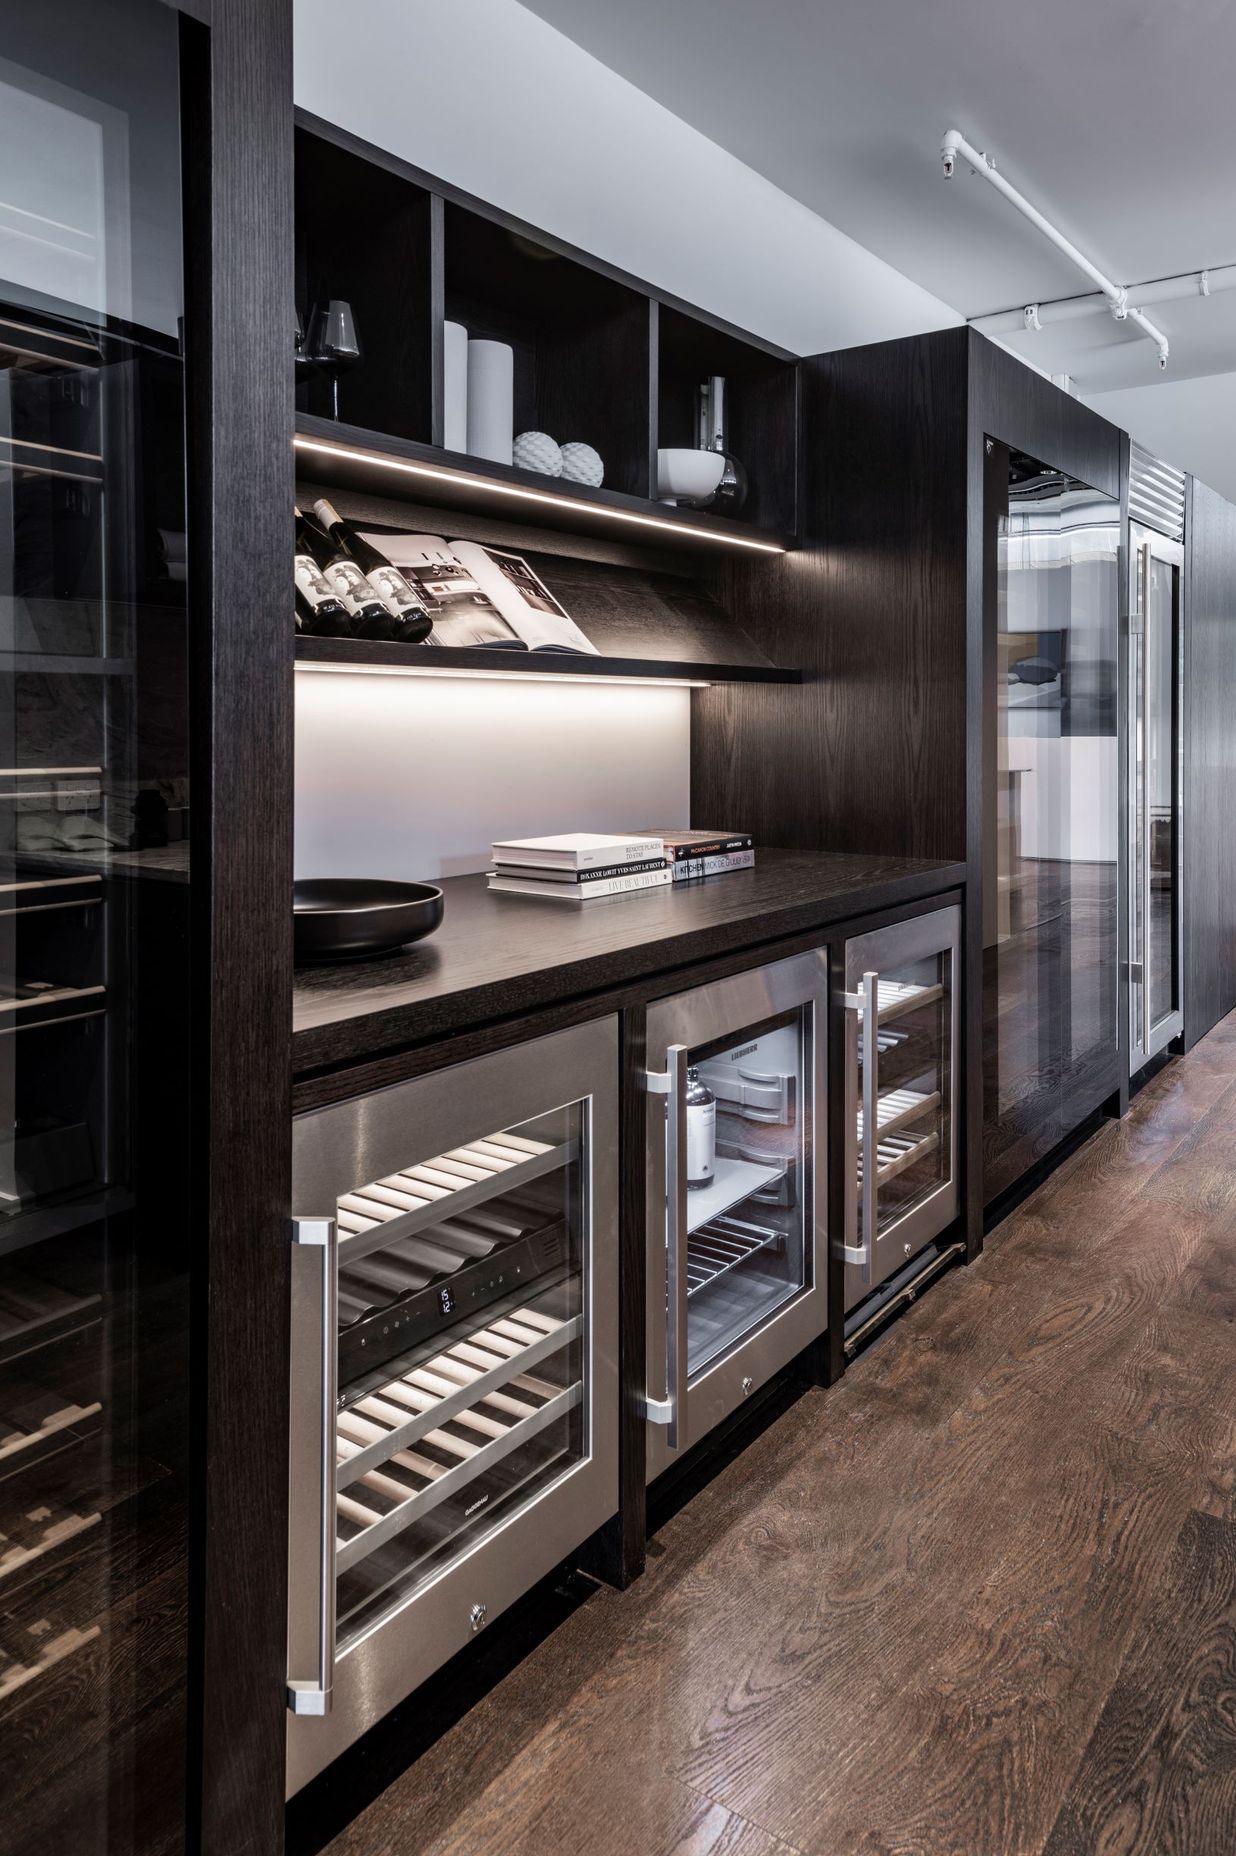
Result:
[
  {"x": 410, "y": 777},
  {"x": 1188, "y": 423},
  {"x": 487, "y": 96},
  {"x": 403, "y": 778}
]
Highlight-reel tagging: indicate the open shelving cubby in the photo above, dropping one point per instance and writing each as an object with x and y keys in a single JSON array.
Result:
[{"x": 598, "y": 357}]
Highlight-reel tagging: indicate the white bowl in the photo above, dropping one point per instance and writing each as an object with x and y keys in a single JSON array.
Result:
[{"x": 688, "y": 476}]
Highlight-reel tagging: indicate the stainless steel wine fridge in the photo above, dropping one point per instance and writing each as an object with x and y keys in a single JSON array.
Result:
[
  {"x": 902, "y": 1011},
  {"x": 454, "y": 1366},
  {"x": 737, "y": 1201}
]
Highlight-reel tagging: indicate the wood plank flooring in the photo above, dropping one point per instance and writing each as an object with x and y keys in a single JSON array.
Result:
[{"x": 977, "y": 1600}]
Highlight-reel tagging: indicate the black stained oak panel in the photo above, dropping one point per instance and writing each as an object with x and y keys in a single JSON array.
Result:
[
  {"x": 239, "y": 292},
  {"x": 1210, "y": 764},
  {"x": 871, "y": 753},
  {"x": 500, "y": 955}
]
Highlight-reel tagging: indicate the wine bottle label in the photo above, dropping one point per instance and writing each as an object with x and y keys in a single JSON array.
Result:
[
  {"x": 701, "y": 1142},
  {"x": 349, "y": 584},
  {"x": 393, "y": 590},
  {"x": 310, "y": 581}
]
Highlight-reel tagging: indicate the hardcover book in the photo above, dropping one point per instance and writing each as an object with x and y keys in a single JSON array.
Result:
[
  {"x": 579, "y": 850},
  {"x": 599, "y": 890}
]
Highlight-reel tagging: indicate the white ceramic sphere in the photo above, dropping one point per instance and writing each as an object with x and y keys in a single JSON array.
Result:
[
  {"x": 582, "y": 464},
  {"x": 538, "y": 451}
]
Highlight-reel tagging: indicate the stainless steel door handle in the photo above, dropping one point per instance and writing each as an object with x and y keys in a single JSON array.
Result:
[
  {"x": 316, "y": 1242},
  {"x": 1144, "y": 656},
  {"x": 672, "y": 1084},
  {"x": 866, "y": 1003}
]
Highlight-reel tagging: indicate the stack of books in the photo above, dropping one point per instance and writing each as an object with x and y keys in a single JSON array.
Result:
[
  {"x": 705, "y": 853},
  {"x": 593, "y": 866},
  {"x": 581, "y": 866}
]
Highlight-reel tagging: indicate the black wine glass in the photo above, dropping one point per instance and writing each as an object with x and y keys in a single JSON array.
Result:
[{"x": 333, "y": 342}]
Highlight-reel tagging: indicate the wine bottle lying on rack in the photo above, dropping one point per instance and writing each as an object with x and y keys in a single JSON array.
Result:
[
  {"x": 320, "y": 613},
  {"x": 370, "y": 616},
  {"x": 387, "y": 581}
]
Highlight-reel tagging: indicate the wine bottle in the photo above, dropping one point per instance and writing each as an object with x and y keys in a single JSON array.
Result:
[
  {"x": 370, "y": 617},
  {"x": 319, "y": 612},
  {"x": 398, "y": 596}
]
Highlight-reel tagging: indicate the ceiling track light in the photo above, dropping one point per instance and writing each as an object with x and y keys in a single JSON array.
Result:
[{"x": 955, "y": 147}]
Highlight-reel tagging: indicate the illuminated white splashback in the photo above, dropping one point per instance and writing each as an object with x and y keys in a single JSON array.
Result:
[{"x": 403, "y": 777}]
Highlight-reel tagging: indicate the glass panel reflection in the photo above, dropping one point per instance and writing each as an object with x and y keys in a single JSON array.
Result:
[
  {"x": 1050, "y": 897},
  {"x": 749, "y": 1158},
  {"x": 462, "y": 1353}
]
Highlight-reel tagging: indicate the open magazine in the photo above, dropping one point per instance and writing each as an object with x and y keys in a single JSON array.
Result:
[{"x": 480, "y": 596}]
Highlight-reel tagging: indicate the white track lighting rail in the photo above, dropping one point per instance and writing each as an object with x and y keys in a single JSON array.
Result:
[{"x": 955, "y": 147}]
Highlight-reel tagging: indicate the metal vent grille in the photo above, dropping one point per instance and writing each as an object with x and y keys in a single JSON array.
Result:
[{"x": 1156, "y": 494}]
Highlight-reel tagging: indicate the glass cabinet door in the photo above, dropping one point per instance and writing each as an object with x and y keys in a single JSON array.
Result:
[
  {"x": 736, "y": 1085},
  {"x": 454, "y": 1376},
  {"x": 1051, "y": 800},
  {"x": 1156, "y": 748},
  {"x": 901, "y": 1012},
  {"x": 462, "y": 1371},
  {"x": 95, "y": 1083}
]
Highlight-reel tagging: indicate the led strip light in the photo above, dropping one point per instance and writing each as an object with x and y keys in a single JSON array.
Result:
[{"x": 519, "y": 493}]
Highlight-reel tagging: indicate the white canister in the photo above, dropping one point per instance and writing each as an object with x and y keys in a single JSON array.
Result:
[
  {"x": 491, "y": 400},
  {"x": 455, "y": 386}
]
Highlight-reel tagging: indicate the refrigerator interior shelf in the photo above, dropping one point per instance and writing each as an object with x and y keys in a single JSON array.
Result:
[
  {"x": 464, "y": 1381},
  {"x": 36, "y": 1534},
  {"x": 898, "y": 996},
  {"x": 896, "y": 1108},
  {"x": 34, "y": 1313},
  {"x": 721, "y": 1245},
  {"x": 734, "y": 1181},
  {"x": 374, "y": 1216},
  {"x": 394, "y": 1501},
  {"x": 899, "y": 1151},
  {"x": 15, "y": 1439},
  {"x": 14, "y": 1673}
]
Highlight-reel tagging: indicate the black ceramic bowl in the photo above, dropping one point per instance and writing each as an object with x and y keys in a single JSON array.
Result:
[{"x": 347, "y": 917}]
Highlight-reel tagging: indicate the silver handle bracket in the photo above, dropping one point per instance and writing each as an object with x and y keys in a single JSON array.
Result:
[
  {"x": 658, "y": 1082},
  {"x": 659, "y": 1410},
  {"x": 852, "y": 1253},
  {"x": 314, "y": 1231},
  {"x": 307, "y": 1698}
]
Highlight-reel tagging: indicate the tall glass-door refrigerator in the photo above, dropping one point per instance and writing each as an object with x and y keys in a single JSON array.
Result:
[{"x": 94, "y": 894}]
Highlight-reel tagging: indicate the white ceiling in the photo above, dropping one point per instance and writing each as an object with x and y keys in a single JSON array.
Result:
[{"x": 1114, "y": 118}]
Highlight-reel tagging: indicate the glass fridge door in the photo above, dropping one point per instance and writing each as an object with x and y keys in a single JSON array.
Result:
[
  {"x": 95, "y": 1357},
  {"x": 1051, "y": 809},
  {"x": 901, "y": 1011},
  {"x": 1156, "y": 749},
  {"x": 735, "y": 1176}
]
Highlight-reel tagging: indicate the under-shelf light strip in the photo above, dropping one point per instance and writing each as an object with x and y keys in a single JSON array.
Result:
[
  {"x": 502, "y": 676},
  {"x": 681, "y": 531}
]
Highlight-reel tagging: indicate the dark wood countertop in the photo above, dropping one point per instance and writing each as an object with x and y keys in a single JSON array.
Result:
[{"x": 499, "y": 955}]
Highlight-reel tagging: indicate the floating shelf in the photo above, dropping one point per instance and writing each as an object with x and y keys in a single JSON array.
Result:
[
  {"x": 359, "y": 654},
  {"x": 346, "y": 457}
]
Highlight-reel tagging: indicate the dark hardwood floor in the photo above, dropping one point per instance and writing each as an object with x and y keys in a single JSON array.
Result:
[{"x": 977, "y": 1600}]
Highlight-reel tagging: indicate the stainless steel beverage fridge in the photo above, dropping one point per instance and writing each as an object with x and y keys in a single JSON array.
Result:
[
  {"x": 454, "y": 1366},
  {"x": 736, "y": 1184},
  {"x": 902, "y": 1014}
]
